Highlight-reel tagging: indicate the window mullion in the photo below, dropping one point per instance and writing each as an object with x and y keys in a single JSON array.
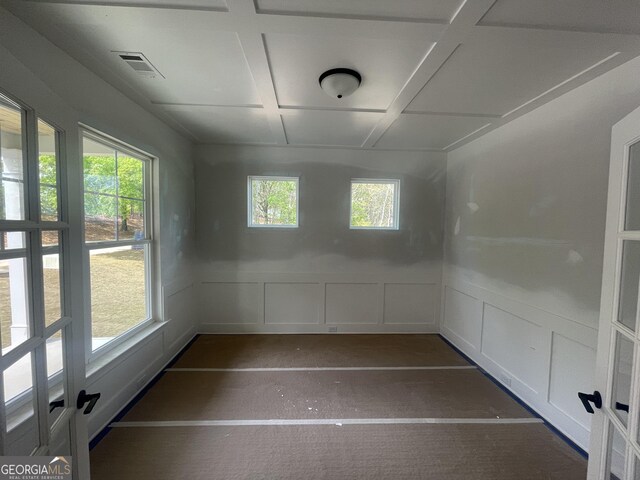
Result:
[
  {"x": 117, "y": 199},
  {"x": 34, "y": 276}
]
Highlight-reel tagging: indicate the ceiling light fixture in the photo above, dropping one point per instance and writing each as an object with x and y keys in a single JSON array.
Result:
[{"x": 340, "y": 82}]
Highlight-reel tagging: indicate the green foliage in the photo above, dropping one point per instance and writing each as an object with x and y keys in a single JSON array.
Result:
[
  {"x": 48, "y": 191},
  {"x": 372, "y": 204},
  {"x": 100, "y": 178},
  {"x": 274, "y": 202}
]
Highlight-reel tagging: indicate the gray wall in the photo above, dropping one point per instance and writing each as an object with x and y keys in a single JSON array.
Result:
[
  {"x": 525, "y": 216},
  {"x": 247, "y": 272}
]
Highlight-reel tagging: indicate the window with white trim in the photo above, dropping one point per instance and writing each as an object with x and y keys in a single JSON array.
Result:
[
  {"x": 272, "y": 201},
  {"x": 375, "y": 204},
  {"x": 118, "y": 238}
]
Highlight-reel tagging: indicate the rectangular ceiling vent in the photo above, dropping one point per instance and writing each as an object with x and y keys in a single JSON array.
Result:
[{"x": 140, "y": 64}]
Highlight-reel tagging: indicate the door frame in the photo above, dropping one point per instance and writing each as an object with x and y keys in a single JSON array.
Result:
[{"x": 623, "y": 135}]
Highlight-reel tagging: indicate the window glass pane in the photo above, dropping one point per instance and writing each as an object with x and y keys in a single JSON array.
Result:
[
  {"x": 628, "y": 302},
  {"x": 52, "y": 275},
  {"x": 632, "y": 216},
  {"x": 373, "y": 204},
  {"x": 130, "y": 219},
  {"x": 48, "y": 166},
  {"x": 55, "y": 362},
  {"x": 14, "y": 302},
  {"x": 617, "y": 454},
  {"x": 130, "y": 177},
  {"x": 274, "y": 201},
  {"x": 12, "y": 241},
  {"x": 99, "y": 167},
  {"x": 118, "y": 291},
  {"x": 11, "y": 168},
  {"x": 18, "y": 382},
  {"x": 622, "y": 367},
  {"x": 50, "y": 238},
  {"x": 99, "y": 217}
]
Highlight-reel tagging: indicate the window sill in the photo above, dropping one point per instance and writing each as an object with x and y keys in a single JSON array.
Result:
[{"x": 104, "y": 363}]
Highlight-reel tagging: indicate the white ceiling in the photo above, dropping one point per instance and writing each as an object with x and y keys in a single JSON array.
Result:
[{"x": 436, "y": 73}]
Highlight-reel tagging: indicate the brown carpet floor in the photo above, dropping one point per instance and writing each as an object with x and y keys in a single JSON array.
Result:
[
  {"x": 372, "y": 452},
  {"x": 325, "y": 394},
  {"x": 286, "y": 351},
  {"x": 368, "y": 452}
]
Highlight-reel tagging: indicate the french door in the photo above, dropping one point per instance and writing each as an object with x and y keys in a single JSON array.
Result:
[
  {"x": 42, "y": 367},
  {"x": 614, "y": 451}
]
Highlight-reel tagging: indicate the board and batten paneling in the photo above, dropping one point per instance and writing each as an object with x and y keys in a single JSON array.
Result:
[
  {"x": 543, "y": 358},
  {"x": 515, "y": 344},
  {"x": 316, "y": 303},
  {"x": 232, "y": 302},
  {"x": 464, "y": 317},
  {"x": 410, "y": 303},
  {"x": 348, "y": 303},
  {"x": 292, "y": 303}
]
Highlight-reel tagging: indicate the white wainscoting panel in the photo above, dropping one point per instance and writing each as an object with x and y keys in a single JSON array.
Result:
[
  {"x": 515, "y": 344},
  {"x": 351, "y": 303},
  {"x": 463, "y": 317},
  {"x": 571, "y": 364},
  {"x": 543, "y": 358},
  {"x": 314, "y": 302},
  {"x": 179, "y": 313},
  {"x": 232, "y": 302},
  {"x": 410, "y": 303},
  {"x": 292, "y": 303}
]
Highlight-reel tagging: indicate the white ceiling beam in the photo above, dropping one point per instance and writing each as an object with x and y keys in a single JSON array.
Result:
[
  {"x": 252, "y": 43},
  {"x": 129, "y": 4},
  {"x": 125, "y": 17},
  {"x": 462, "y": 24},
  {"x": 352, "y": 26},
  {"x": 532, "y": 37}
]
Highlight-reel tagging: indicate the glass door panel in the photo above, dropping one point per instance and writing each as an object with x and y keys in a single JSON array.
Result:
[
  {"x": 12, "y": 155},
  {"x": 629, "y": 282},
  {"x": 621, "y": 375},
  {"x": 616, "y": 455},
  {"x": 632, "y": 204}
]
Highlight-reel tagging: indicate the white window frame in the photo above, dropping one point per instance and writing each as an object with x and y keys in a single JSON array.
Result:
[
  {"x": 250, "y": 180},
  {"x": 148, "y": 241},
  {"x": 396, "y": 202}
]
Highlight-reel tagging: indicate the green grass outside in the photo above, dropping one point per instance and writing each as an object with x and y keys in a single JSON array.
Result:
[{"x": 117, "y": 294}]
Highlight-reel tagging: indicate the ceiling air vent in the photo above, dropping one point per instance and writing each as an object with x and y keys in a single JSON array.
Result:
[{"x": 140, "y": 64}]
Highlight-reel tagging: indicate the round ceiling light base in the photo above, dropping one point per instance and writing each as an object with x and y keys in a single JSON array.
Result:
[{"x": 340, "y": 82}]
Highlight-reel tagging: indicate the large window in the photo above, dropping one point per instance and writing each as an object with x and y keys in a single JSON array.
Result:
[
  {"x": 273, "y": 201},
  {"x": 118, "y": 237},
  {"x": 375, "y": 204}
]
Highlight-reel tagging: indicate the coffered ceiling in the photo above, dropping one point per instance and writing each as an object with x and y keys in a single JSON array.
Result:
[{"x": 435, "y": 73}]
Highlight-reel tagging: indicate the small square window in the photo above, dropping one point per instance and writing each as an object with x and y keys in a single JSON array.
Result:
[
  {"x": 374, "y": 204},
  {"x": 273, "y": 201}
]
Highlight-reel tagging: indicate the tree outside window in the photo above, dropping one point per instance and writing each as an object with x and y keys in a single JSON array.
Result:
[{"x": 273, "y": 201}]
